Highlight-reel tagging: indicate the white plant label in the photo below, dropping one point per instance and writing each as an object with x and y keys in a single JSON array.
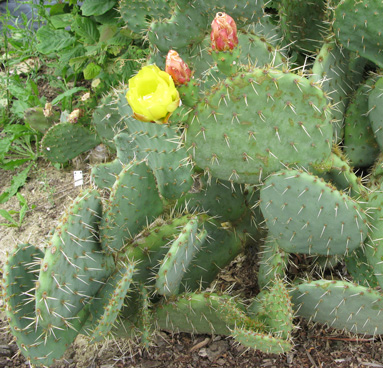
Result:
[{"x": 78, "y": 178}]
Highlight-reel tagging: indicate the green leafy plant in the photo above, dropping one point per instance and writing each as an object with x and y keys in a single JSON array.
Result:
[
  {"x": 91, "y": 42},
  {"x": 18, "y": 214}
]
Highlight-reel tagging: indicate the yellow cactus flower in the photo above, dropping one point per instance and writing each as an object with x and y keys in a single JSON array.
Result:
[{"x": 152, "y": 95}]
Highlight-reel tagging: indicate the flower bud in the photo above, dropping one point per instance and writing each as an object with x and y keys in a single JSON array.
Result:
[
  {"x": 224, "y": 33},
  {"x": 177, "y": 68}
]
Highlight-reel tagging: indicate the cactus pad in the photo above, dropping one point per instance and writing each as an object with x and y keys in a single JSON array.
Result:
[
  {"x": 340, "y": 304},
  {"x": 77, "y": 140},
  {"x": 257, "y": 122},
  {"x": 307, "y": 215},
  {"x": 358, "y": 27},
  {"x": 133, "y": 202},
  {"x": 74, "y": 265}
]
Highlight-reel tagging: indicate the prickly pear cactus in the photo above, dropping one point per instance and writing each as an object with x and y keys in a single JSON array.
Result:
[{"x": 248, "y": 163}]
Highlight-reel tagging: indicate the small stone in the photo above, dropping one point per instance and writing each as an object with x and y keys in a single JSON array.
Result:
[
  {"x": 221, "y": 361},
  {"x": 215, "y": 350}
]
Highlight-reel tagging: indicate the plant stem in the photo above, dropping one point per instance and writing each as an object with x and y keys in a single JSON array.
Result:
[{"x": 8, "y": 94}]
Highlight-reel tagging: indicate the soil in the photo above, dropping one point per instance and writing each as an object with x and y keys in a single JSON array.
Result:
[{"x": 50, "y": 190}]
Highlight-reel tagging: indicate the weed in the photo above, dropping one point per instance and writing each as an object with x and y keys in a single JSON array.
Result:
[{"x": 15, "y": 218}]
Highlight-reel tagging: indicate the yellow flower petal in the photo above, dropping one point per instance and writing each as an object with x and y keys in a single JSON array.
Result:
[{"x": 152, "y": 94}]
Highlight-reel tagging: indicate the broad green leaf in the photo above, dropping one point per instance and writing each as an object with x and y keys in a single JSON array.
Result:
[
  {"x": 9, "y": 218},
  {"x": 107, "y": 31},
  {"x": 62, "y": 20},
  {"x": 18, "y": 90},
  {"x": 17, "y": 182},
  {"x": 68, "y": 93},
  {"x": 111, "y": 17},
  {"x": 73, "y": 52},
  {"x": 57, "y": 9},
  {"x": 78, "y": 62},
  {"x": 13, "y": 164},
  {"x": 5, "y": 145},
  {"x": 17, "y": 130},
  {"x": 53, "y": 40},
  {"x": 93, "y": 50},
  {"x": 86, "y": 29},
  {"x": 91, "y": 71},
  {"x": 97, "y": 7},
  {"x": 18, "y": 108},
  {"x": 114, "y": 50},
  {"x": 120, "y": 39}
]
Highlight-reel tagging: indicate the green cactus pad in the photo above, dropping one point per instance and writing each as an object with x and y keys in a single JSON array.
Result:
[
  {"x": 255, "y": 50},
  {"x": 272, "y": 306},
  {"x": 42, "y": 347},
  {"x": 146, "y": 327},
  {"x": 375, "y": 108},
  {"x": 74, "y": 266},
  {"x": 159, "y": 144},
  {"x": 167, "y": 34},
  {"x": 34, "y": 117},
  {"x": 377, "y": 171},
  {"x": 217, "y": 198},
  {"x": 360, "y": 269},
  {"x": 358, "y": 27},
  {"x": 137, "y": 12},
  {"x": 19, "y": 278},
  {"x": 272, "y": 264},
  {"x": 104, "y": 175},
  {"x": 258, "y": 122},
  {"x": 134, "y": 201},
  {"x": 304, "y": 23},
  {"x": 126, "y": 148},
  {"x": 177, "y": 259},
  {"x": 340, "y": 304},
  {"x": 360, "y": 145},
  {"x": 261, "y": 341},
  {"x": 107, "y": 121},
  {"x": 338, "y": 172},
  {"x": 109, "y": 300},
  {"x": 242, "y": 11},
  {"x": 220, "y": 248},
  {"x": 307, "y": 215},
  {"x": 332, "y": 70},
  {"x": 202, "y": 313},
  {"x": 374, "y": 249},
  {"x": 151, "y": 246},
  {"x": 65, "y": 141}
]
